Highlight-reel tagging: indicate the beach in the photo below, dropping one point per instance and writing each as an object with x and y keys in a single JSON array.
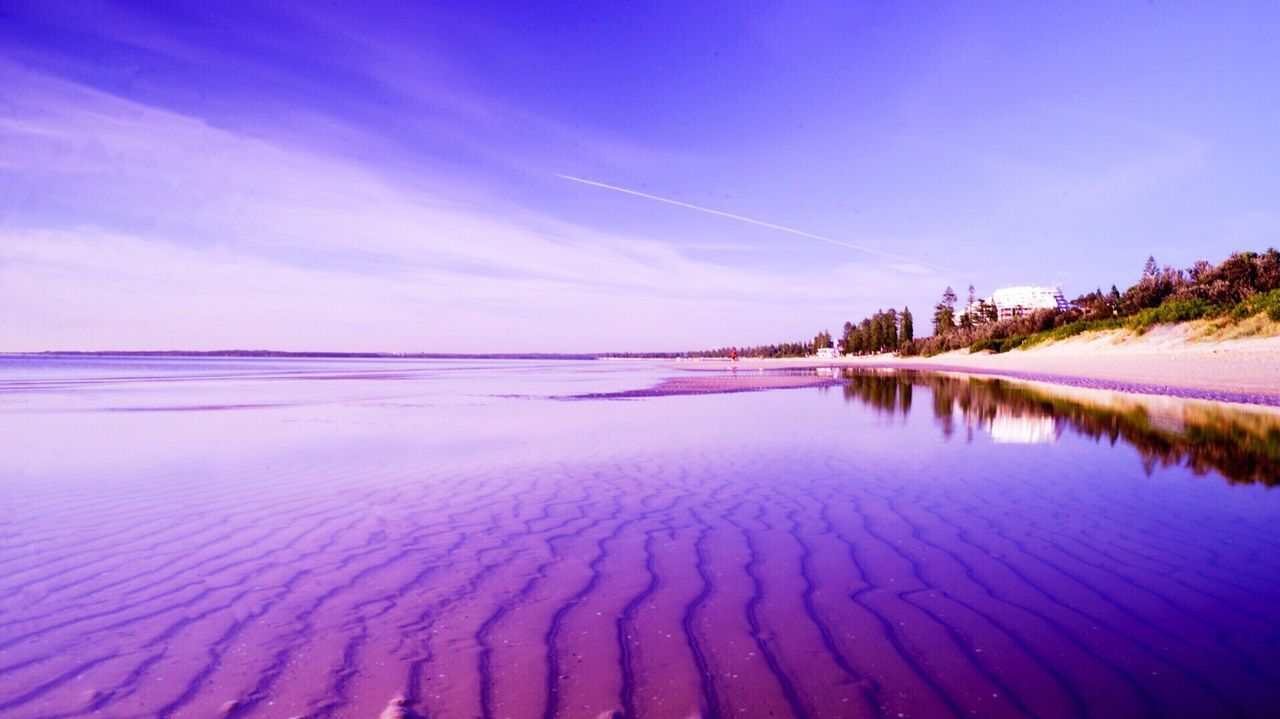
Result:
[
  {"x": 1165, "y": 360},
  {"x": 268, "y": 538}
]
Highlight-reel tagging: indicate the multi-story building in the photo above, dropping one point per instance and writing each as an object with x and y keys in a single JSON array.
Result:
[{"x": 1016, "y": 301}]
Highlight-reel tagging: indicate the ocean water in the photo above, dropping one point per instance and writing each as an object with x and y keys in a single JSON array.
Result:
[{"x": 406, "y": 538}]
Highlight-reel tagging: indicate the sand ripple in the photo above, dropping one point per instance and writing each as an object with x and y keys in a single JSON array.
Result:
[{"x": 735, "y": 579}]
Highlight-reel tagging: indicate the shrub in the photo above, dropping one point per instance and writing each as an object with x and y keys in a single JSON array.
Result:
[
  {"x": 1012, "y": 343},
  {"x": 1174, "y": 311},
  {"x": 1072, "y": 329},
  {"x": 1268, "y": 302}
]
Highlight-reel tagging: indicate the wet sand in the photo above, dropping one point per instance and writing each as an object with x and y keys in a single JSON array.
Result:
[
  {"x": 804, "y": 553},
  {"x": 727, "y": 382}
]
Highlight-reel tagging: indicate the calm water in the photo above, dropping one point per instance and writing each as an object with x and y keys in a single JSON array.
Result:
[{"x": 316, "y": 538}]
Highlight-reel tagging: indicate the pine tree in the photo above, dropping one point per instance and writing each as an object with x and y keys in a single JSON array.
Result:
[{"x": 944, "y": 313}]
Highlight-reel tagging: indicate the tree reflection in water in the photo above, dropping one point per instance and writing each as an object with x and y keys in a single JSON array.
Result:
[{"x": 1242, "y": 444}]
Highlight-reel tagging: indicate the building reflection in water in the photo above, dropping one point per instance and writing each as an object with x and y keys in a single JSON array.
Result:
[
  {"x": 1240, "y": 443},
  {"x": 1009, "y": 428}
]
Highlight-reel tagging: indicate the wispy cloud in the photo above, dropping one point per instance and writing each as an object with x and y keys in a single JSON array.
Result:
[
  {"x": 914, "y": 268},
  {"x": 911, "y": 264},
  {"x": 188, "y": 235}
]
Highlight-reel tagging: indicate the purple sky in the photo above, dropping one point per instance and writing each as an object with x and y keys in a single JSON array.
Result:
[{"x": 214, "y": 175}]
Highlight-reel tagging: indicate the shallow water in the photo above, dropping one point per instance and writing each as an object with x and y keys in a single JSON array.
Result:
[{"x": 284, "y": 538}]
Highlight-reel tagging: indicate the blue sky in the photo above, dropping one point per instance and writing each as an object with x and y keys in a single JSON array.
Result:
[{"x": 363, "y": 176}]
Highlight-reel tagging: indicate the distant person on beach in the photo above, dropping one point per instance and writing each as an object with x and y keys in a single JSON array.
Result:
[{"x": 733, "y": 355}]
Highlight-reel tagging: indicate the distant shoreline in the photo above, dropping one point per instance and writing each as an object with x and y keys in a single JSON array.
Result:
[
  {"x": 1166, "y": 360},
  {"x": 311, "y": 355}
]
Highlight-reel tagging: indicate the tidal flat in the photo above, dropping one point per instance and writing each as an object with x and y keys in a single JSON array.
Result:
[{"x": 202, "y": 537}]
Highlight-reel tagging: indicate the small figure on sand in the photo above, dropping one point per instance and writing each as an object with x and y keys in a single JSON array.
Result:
[{"x": 733, "y": 355}]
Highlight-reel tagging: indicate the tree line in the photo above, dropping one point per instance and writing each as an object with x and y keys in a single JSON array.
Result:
[
  {"x": 884, "y": 331},
  {"x": 1244, "y": 285},
  {"x": 773, "y": 351}
]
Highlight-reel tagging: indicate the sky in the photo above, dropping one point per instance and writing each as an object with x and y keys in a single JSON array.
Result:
[{"x": 364, "y": 176}]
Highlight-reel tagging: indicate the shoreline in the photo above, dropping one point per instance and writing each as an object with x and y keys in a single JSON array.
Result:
[{"x": 1162, "y": 362}]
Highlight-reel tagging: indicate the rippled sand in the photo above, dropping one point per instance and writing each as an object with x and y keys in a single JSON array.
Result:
[{"x": 402, "y": 551}]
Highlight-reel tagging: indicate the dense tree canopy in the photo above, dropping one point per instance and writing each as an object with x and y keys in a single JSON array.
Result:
[{"x": 881, "y": 332}]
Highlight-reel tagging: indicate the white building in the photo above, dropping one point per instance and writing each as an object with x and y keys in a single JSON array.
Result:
[
  {"x": 826, "y": 353},
  {"x": 1016, "y": 301}
]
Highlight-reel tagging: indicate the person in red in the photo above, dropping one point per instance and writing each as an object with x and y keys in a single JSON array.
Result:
[{"x": 733, "y": 355}]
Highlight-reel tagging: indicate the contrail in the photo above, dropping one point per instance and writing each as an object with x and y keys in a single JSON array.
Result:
[{"x": 760, "y": 223}]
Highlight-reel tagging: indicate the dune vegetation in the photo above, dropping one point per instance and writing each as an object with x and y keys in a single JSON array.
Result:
[{"x": 1238, "y": 297}]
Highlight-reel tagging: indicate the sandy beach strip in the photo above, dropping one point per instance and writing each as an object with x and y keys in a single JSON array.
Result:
[{"x": 1164, "y": 361}]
